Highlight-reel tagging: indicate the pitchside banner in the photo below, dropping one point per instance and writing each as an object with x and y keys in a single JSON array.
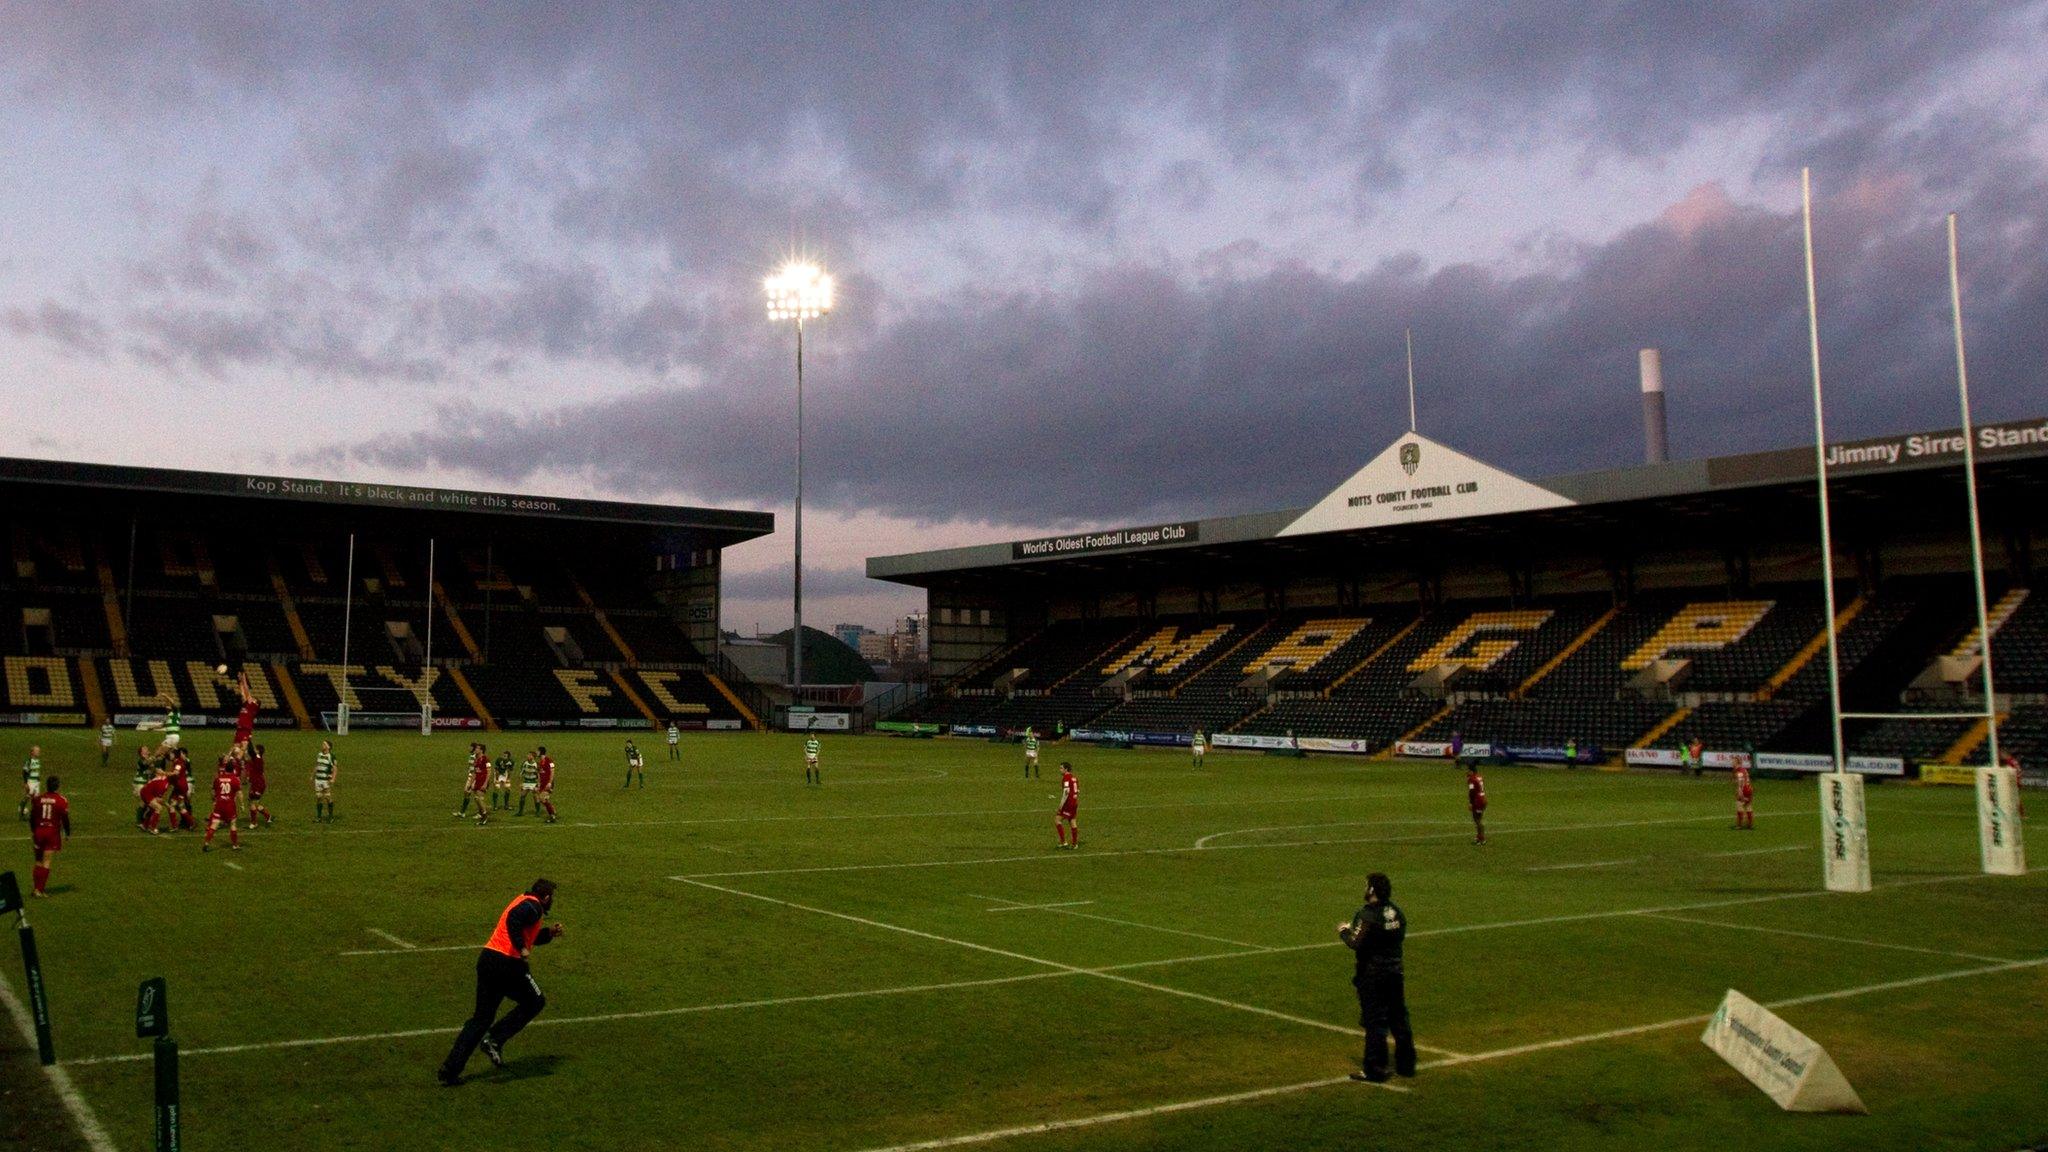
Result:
[
  {"x": 1778, "y": 1058},
  {"x": 1845, "y": 838},
  {"x": 1998, "y": 823}
]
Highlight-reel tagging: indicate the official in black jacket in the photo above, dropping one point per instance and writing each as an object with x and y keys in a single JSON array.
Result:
[
  {"x": 501, "y": 974},
  {"x": 1375, "y": 935}
]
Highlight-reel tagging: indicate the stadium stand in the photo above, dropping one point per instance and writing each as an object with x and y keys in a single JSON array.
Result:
[{"x": 96, "y": 628}]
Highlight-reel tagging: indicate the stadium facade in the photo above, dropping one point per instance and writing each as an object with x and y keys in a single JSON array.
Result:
[
  {"x": 1431, "y": 597},
  {"x": 126, "y": 584}
]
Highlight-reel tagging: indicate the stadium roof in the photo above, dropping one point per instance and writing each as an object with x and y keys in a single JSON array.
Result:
[
  {"x": 1417, "y": 482},
  {"x": 282, "y": 493}
]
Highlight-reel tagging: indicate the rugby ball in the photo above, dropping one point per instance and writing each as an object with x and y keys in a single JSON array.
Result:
[{"x": 222, "y": 670}]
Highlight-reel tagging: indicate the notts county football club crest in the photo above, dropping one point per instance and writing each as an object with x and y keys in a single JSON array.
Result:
[{"x": 1411, "y": 457}]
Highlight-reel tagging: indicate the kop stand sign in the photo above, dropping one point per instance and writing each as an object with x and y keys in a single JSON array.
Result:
[
  {"x": 153, "y": 1019},
  {"x": 38, "y": 996}
]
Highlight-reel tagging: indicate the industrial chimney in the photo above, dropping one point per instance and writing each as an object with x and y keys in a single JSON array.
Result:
[{"x": 1656, "y": 448}]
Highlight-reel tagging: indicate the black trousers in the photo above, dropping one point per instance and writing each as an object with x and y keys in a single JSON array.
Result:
[
  {"x": 1383, "y": 1009},
  {"x": 498, "y": 978}
]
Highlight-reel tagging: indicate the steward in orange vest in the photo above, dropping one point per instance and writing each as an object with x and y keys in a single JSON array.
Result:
[{"x": 502, "y": 974}]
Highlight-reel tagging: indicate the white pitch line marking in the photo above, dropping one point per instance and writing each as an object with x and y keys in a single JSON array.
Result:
[
  {"x": 388, "y": 938},
  {"x": 994, "y": 951},
  {"x": 1097, "y": 855},
  {"x": 605, "y": 1017},
  {"x": 1066, "y": 908},
  {"x": 408, "y": 950},
  {"x": 1204, "y": 841},
  {"x": 1588, "y": 864},
  {"x": 232, "y": 864},
  {"x": 997, "y": 1134},
  {"x": 1831, "y": 939},
  {"x": 68, "y": 1094},
  {"x": 1758, "y": 851}
]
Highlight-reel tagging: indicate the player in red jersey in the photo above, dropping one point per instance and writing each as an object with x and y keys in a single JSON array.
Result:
[
  {"x": 155, "y": 798},
  {"x": 227, "y": 784},
  {"x": 49, "y": 821},
  {"x": 477, "y": 785},
  {"x": 1070, "y": 807},
  {"x": 1475, "y": 796},
  {"x": 253, "y": 782},
  {"x": 1744, "y": 793},
  {"x": 245, "y": 720},
  {"x": 544, "y": 798},
  {"x": 181, "y": 791}
]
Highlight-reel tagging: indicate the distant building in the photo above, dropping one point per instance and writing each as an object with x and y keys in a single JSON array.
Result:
[{"x": 850, "y": 634}]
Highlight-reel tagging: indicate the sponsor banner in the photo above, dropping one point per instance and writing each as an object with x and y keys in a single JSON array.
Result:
[
  {"x": 818, "y": 721},
  {"x": 383, "y": 719},
  {"x": 1234, "y": 740},
  {"x": 701, "y": 612},
  {"x": 457, "y": 722},
  {"x": 32, "y": 719},
  {"x": 909, "y": 728},
  {"x": 1349, "y": 747},
  {"x": 1114, "y": 736},
  {"x": 1737, "y": 760},
  {"x": 1108, "y": 540},
  {"x": 1845, "y": 837},
  {"x": 1947, "y": 774},
  {"x": 1417, "y": 479},
  {"x": 1549, "y": 754},
  {"x": 1653, "y": 758},
  {"x": 1998, "y": 822},
  {"x": 1812, "y": 762},
  {"x": 1423, "y": 748},
  {"x": 725, "y": 725},
  {"x": 972, "y": 730},
  {"x": 1789, "y": 1066},
  {"x": 597, "y": 722}
]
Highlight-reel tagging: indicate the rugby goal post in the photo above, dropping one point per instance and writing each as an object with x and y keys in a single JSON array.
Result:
[{"x": 1844, "y": 835}]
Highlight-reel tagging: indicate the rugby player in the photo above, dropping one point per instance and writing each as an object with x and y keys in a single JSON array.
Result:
[
  {"x": 323, "y": 783},
  {"x": 31, "y": 779},
  {"x": 227, "y": 784},
  {"x": 1475, "y": 796},
  {"x": 1070, "y": 808},
  {"x": 253, "y": 782},
  {"x": 529, "y": 783},
  {"x": 48, "y": 823}
]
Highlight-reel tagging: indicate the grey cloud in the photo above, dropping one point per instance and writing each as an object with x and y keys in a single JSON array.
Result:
[
  {"x": 1150, "y": 391},
  {"x": 68, "y": 328}
]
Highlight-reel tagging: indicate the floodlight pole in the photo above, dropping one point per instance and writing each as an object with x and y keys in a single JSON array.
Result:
[
  {"x": 1820, "y": 461},
  {"x": 348, "y": 604},
  {"x": 796, "y": 635},
  {"x": 1955, "y": 298}
]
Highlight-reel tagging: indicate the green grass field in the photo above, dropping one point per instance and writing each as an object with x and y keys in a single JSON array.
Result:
[{"x": 903, "y": 956}]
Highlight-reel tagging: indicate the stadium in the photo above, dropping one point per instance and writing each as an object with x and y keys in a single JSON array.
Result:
[
  {"x": 406, "y": 780},
  {"x": 1632, "y": 611}
]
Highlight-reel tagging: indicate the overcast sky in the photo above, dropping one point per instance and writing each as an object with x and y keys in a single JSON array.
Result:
[{"x": 1097, "y": 262}]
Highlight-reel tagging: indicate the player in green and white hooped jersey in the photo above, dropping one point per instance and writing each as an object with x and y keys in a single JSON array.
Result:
[
  {"x": 1030, "y": 753},
  {"x": 812, "y": 773},
  {"x": 675, "y": 739},
  {"x": 106, "y": 742},
  {"x": 323, "y": 782},
  {"x": 31, "y": 777},
  {"x": 172, "y": 726},
  {"x": 529, "y": 783},
  {"x": 1199, "y": 746},
  {"x": 636, "y": 768}
]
